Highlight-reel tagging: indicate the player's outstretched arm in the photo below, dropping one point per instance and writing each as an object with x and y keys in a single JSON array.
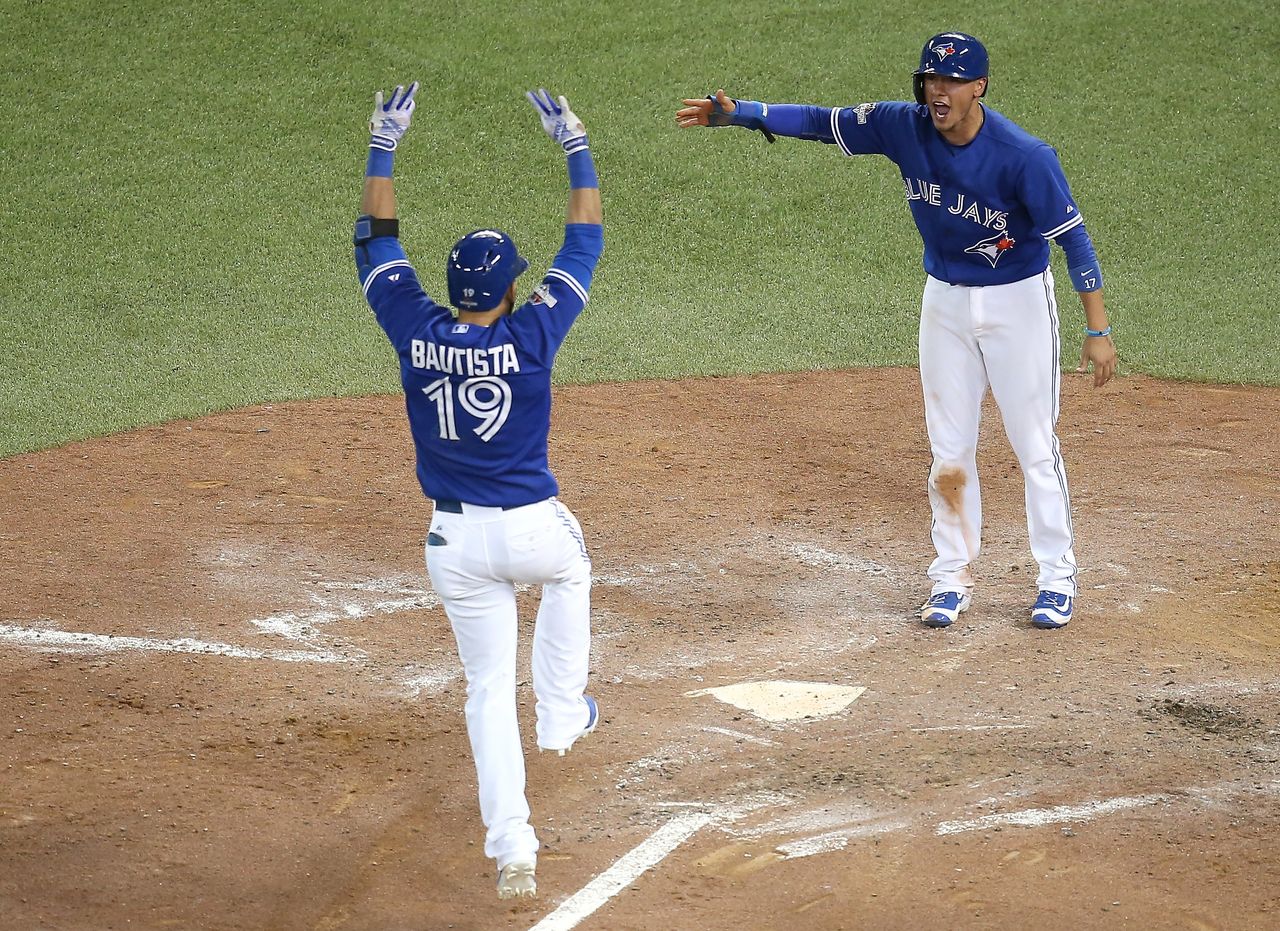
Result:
[
  {"x": 796, "y": 120},
  {"x": 564, "y": 127},
  {"x": 387, "y": 126},
  {"x": 719, "y": 109}
]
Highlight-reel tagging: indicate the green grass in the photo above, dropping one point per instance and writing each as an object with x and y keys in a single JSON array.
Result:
[{"x": 181, "y": 180}]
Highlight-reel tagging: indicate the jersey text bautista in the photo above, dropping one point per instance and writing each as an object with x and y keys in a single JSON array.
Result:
[{"x": 469, "y": 361}]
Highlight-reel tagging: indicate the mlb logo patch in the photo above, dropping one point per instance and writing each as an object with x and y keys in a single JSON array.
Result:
[
  {"x": 542, "y": 295},
  {"x": 460, "y": 328}
]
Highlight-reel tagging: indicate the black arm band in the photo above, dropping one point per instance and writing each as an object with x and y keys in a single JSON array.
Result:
[{"x": 368, "y": 227}]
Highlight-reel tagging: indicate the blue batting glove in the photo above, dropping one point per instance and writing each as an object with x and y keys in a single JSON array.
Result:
[
  {"x": 559, "y": 121},
  {"x": 390, "y": 120},
  {"x": 719, "y": 116},
  {"x": 748, "y": 113}
]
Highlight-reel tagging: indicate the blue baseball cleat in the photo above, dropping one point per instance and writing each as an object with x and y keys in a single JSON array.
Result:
[
  {"x": 942, "y": 609},
  {"x": 1052, "y": 610}
]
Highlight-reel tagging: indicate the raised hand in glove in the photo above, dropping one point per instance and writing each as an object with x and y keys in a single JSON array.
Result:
[
  {"x": 390, "y": 120},
  {"x": 561, "y": 124}
]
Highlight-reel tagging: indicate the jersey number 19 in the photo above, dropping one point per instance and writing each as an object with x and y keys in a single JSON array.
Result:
[{"x": 488, "y": 399}]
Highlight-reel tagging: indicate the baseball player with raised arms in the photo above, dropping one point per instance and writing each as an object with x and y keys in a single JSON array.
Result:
[
  {"x": 988, "y": 199},
  {"x": 478, "y": 396}
]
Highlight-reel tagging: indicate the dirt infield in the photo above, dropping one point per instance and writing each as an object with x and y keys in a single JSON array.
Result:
[{"x": 233, "y": 701}]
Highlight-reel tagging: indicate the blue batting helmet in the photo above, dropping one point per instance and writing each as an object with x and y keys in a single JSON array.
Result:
[
  {"x": 954, "y": 55},
  {"x": 481, "y": 267}
]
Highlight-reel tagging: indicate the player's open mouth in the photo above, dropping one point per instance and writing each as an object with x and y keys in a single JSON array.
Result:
[{"x": 940, "y": 111}]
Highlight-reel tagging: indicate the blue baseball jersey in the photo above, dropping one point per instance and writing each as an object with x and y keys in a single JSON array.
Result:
[
  {"x": 479, "y": 398},
  {"x": 986, "y": 211}
]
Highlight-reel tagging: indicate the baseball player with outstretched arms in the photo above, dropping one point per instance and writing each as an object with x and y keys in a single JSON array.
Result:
[
  {"x": 988, "y": 199},
  {"x": 478, "y": 396}
]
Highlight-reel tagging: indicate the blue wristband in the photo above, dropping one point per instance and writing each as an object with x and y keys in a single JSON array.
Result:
[
  {"x": 1089, "y": 332},
  {"x": 582, "y": 170},
  {"x": 750, "y": 113},
  {"x": 379, "y": 164}
]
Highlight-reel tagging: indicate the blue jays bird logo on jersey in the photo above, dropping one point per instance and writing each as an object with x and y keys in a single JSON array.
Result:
[{"x": 992, "y": 247}]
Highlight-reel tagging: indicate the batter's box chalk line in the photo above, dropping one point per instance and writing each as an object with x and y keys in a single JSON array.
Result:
[
  {"x": 644, "y": 856},
  {"x": 432, "y": 682},
  {"x": 71, "y": 641},
  {"x": 329, "y": 608},
  {"x": 825, "y": 829},
  {"x": 837, "y": 840},
  {"x": 861, "y": 823}
]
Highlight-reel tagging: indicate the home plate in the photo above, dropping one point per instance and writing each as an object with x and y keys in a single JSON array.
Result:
[{"x": 779, "y": 701}]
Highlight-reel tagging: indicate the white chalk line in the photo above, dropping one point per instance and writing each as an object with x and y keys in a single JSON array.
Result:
[
  {"x": 836, "y": 825},
  {"x": 624, "y": 872},
  {"x": 811, "y": 846},
  {"x": 303, "y": 626},
  {"x": 971, "y": 727},
  {"x": 71, "y": 641},
  {"x": 53, "y": 640},
  {"x": 667, "y": 838},
  {"x": 842, "y": 815},
  {"x": 1035, "y": 817},
  {"x": 649, "y": 853},
  {"x": 836, "y": 840},
  {"x": 430, "y": 682},
  {"x": 844, "y": 824}
]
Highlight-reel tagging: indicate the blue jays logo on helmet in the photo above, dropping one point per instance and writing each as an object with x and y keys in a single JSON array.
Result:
[
  {"x": 952, "y": 54},
  {"x": 481, "y": 267}
]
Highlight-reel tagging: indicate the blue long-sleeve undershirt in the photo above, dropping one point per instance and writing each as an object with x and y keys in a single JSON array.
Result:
[
  {"x": 801, "y": 121},
  {"x": 1082, "y": 259}
]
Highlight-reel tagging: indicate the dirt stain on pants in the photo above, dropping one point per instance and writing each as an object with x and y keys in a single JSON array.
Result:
[{"x": 949, "y": 482}]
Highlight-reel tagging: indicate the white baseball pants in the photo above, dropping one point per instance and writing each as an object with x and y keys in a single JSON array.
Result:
[
  {"x": 1005, "y": 337},
  {"x": 484, "y": 553}
]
